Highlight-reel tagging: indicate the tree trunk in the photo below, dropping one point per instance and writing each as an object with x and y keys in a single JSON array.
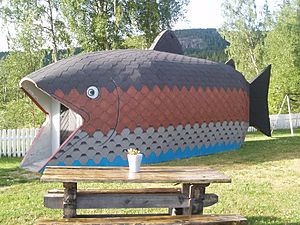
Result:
[
  {"x": 252, "y": 55},
  {"x": 52, "y": 31}
]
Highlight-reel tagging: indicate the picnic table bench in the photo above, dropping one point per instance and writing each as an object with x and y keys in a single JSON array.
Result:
[{"x": 188, "y": 200}]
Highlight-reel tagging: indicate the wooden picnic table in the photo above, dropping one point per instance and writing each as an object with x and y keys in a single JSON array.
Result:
[{"x": 189, "y": 199}]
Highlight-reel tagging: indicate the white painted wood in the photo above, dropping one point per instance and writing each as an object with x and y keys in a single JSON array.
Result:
[
  {"x": 16, "y": 142},
  {"x": 79, "y": 120},
  {"x": 4, "y": 142},
  {"x": 13, "y": 143},
  {"x": 36, "y": 131},
  {"x": 18, "y": 152},
  {"x": 290, "y": 115},
  {"x": 31, "y": 135},
  {"x": 277, "y": 116},
  {"x": 27, "y": 143},
  {"x": 9, "y": 142},
  {"x": 55, "y": 125},
  {"x": 23, "y": 144}
]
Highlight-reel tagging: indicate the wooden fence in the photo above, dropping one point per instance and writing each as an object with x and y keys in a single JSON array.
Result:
[{"x": 15, "y": 142}]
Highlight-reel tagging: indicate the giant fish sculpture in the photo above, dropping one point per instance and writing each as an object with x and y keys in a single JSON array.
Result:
[{"x": 167, "y": 105}]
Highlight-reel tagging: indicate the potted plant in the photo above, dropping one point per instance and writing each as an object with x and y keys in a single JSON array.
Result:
[{"x": 134, "y": 160}]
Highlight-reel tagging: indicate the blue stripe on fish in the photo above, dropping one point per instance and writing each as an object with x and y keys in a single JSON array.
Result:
[{"x": 163, "y": 157}]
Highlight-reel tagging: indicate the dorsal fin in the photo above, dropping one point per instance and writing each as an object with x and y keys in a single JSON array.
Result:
[
  {"x": 231, "y": 63},
  {"x": 166, "y": 41}
]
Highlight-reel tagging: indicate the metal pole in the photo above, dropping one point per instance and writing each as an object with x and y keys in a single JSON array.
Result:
[{"x": 290, "y": 115}]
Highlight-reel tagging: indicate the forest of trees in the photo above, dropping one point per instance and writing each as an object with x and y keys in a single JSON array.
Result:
[
  {"x": 203, "y": 43},
  {"x": 49, "y": 30},
  {"x": 259, "y": 37}
]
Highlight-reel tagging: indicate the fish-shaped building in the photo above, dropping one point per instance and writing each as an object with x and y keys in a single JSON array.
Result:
[{"x": 167, "y": 105}]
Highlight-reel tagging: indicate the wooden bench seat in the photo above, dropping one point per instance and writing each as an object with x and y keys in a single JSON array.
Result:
[
  {"x": 122, "y": 191},
  {"x": 166, "y": 220},
  {"x": 126, "y": 198}
]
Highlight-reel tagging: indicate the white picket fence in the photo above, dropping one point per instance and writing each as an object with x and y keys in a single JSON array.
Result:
[{"x": 16, "y": 142}]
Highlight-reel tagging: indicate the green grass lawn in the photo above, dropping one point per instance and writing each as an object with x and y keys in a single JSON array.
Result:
[{"x": 265, "y": 184}]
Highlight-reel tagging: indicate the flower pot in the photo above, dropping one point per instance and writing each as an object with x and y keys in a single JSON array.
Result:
[{"x": 134, "y": 162}]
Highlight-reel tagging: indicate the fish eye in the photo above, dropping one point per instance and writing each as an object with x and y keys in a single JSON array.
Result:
[{"x": 92, "y": 92}]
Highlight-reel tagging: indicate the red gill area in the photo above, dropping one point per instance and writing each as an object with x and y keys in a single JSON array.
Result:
[{"x": 154, "y": 108}]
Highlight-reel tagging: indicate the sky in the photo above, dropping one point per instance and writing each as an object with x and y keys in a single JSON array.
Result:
[
  {"x": 208, "y": 13},
  {"x": 202, "y": 14},
  {"x": 199, "y": 14}
]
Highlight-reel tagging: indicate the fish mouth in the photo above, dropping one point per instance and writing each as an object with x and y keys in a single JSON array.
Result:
[{"x": 60, "y": 124}]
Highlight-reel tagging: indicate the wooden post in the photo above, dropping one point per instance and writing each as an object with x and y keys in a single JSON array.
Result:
[
  {"x": 196, "y": 194},
  {"x": 198, "y": 198},
  {"x": 188, "y": 190},
  {"x": 26, "y": 139},
  {"x": 18, "y": 143},
  {"x": 290, "y": 115},
  {"x": 8, "y": 138},
  {"x": 13, "y": 143},
  {"x": 4, "y": 143},
  {"x": 185, "y": 188},
  {"x": 70, "y": 194}
]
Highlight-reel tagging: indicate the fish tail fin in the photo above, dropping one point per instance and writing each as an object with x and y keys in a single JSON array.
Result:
[{"x": 259, "y": 111}]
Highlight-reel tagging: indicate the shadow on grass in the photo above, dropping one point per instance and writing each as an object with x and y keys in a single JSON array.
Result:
[
  {"x": 10, "y": 176},
  {"x": 264, "y": 220},
  {"x": 272, "y": 149}
]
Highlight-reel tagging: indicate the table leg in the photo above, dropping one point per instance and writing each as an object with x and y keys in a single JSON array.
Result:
[
  {"x": 196, "y": 193},
  {"x": 197, "y": 196},
  {"x": 185, "y": 189},
  {"x": 69, "y": 203}
]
